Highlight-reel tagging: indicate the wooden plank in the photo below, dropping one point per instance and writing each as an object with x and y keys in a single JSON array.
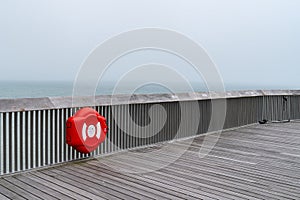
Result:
[
  {"x": 139, "y": 185},
  {"x": 187, "y": 174},
  {"x": 179, "y": 183},
  {"x": 259, "y": 163},
  {"x": 99, "y": 188},
  {"x": 45, "y": 189},
  {"x": 8, "y": 194},
  {"x": 239, "y": 166},
  {"x": 2, "y": 197},
  {"x": 74, "y": 189},
  {"x": 15, "y": 189},
  {"x": 250, "y": 187},
  {"x": 28, "y": 188},
  {"x": 64, "y": 188},
  {"x": 116, "y": 188},
  {"x": 131, "y": 165}
]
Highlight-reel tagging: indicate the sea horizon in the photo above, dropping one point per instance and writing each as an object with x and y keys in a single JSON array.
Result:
[{"x": 36, "y": 89}]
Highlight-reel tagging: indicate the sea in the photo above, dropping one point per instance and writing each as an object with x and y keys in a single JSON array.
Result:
[{"x": 36, "y": 89}]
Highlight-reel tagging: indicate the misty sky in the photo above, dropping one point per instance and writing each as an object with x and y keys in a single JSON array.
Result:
[{"x": 251, "y": 41}]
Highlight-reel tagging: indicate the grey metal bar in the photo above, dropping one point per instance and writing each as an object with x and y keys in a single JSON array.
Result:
[
  {"x": 29, "y": 140},
  {"x": 7, "y": 147},
  {"x": 1, "y": 145},
  {"x": 18, "y": 142}
]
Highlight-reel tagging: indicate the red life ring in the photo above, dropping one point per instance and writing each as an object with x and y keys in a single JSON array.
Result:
[{"x": 86, "y": 130}]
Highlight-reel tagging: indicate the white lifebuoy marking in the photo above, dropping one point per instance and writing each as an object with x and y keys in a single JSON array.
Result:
[
  {"x": 98, "y": 130},
  {"x": 84, "y": 132},
  {"x": 91, "y": 131}
]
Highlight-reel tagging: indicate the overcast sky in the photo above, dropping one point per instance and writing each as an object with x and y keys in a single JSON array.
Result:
[{"x": 251, "y": 41}]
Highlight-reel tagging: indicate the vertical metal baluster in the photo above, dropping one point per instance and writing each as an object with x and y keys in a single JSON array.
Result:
[
  {"x": 167, "y": 127},
  {"x": 248, "y": 114},
  {"x": 274, "y": 102},
  {"x": 238, "y": 121},
  {"x": 39, "y": 135},
  {"x": 80, "y": 155},
  {"x": 57, "y": 136},
  {"x": 74, "y": 151},
  {"x": 34, "y": 139},
  {"x": 103, "y": 113},
  {"x": 188, "y": 124},
  {"x": 1, "y": 145},
  {"x": 140, "y": 120},
  {"x": 12, "y": 124},
  {"x": 263, "y": 108},
  {"x": 24, "y": 150},
  {"x": 119, "y": 132},
  {"x": 127, "y": 144},
  {"x": 137, "y": 132},
  {"x": 131, "y": 133},
  {"x": 267, "y": 108},
  {"x": 166, "y": 135},
  {"x": 109, "y": 126},
  {"x": 115, "y": 140},
  {"x": 61, "y": 132},
  {"x": 135, "y": 126},
  {"x": 93, "y": 153},
  {"x": 123, "y": 121},
  {"x": 274, "y": 111},
  {"x": 7, "y": 145},
  {"x": 49, "y": 137},
  {"x": 18, "y": 153},
  {"x": 67, "y": 146},
  {"x": 143, "y": 117},
  {"x": 29, "y": 143},
  {"x": 71, "y": 113},
  {"x": 174, "y": 127},
  {"x": 113, "y": 131},
  {"x": 154, "y": 120},
  {"x": 126, "y": 122},
  {"x": 145, "y": 121},
  {"x": 130, "y": 107},
  {"x": 44, "y": 137},
  {"x": 53, "y": 137},
  {"x": 108, "y": 111},
  {"x": 131, "y": 126}
]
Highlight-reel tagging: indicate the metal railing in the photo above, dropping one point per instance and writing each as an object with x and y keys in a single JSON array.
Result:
[{"x": 32, "y": 131}]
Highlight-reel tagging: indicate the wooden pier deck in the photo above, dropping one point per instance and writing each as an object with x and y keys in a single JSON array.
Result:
[{"x": 254, "y": 162}]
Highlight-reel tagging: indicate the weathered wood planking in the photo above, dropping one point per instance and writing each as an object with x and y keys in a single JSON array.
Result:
[{"x": 254, "y": 162}]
